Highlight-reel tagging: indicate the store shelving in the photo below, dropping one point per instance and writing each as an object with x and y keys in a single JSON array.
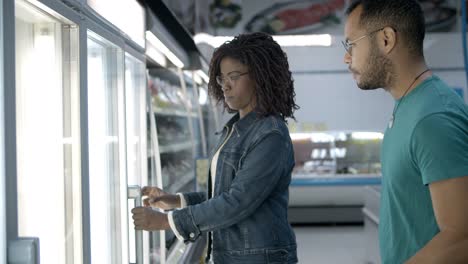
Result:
[
  {"x": 175, "y": 147},
  {"x": 182, "y": 181}
]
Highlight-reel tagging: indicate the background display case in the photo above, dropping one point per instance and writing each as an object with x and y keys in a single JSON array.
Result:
[
  {"x": 331, "y": 169},
  {"x": 336, "y": 153}
]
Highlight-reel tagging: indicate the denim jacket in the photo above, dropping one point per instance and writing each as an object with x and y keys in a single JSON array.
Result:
[{"x": 248, "y": 212}]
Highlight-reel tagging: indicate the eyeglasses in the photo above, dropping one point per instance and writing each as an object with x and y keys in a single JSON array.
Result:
[
  {"x": 231, "y": 78},
  {"x": 348, "y": 44}
]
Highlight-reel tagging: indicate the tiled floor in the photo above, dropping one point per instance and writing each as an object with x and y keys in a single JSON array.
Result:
[{"x": 330, "y": 245}]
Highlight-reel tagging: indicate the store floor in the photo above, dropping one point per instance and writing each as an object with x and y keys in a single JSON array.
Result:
[{"x": 330, "y": 244}]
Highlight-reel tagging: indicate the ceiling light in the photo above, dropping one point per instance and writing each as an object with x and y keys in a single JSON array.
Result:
[
  {"x": 161, "y": 47},
  {"x": 324, "y": 40}
]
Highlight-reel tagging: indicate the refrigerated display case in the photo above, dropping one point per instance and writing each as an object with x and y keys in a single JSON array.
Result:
[
  {"x": 78, "y": 122},
  {"x": 196, "y": 117},
  {"x": 178, "y": 125},
  {"x": 137, "y": 174},
  {"x": 176, "y": 142},
  {"x": 3, "y": 236},
  {"x": 116, "y": 130},
  {"x": 207, "y": 126},
  {"x": 175, "y": 122},
  {"x": 105, "y": 90},
  {"x": 48, "y": 132},
  {"x": 211, "y": 120},
  {"x": 336, "y": 153},
  {"x": 117, "y": 151},
  {"x": 88, "y": 113},
  {"x": 331, "y": 170}
]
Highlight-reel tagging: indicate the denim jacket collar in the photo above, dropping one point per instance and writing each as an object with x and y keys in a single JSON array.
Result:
[
  {"x": 246, "y": 122},
  {"x": 241, "y": 123}
]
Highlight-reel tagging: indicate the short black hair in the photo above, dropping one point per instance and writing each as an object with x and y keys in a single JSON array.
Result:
[
  {"x": 268, "y": 67},
  {"x": 405, "y": 16}
]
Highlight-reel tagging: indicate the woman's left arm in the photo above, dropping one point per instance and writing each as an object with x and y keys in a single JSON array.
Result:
[{"x": 262, "y": 169}]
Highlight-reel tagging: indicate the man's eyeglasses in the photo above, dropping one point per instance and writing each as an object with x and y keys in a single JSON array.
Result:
[
  {"x": 348, "y": 44},
  {"x": 231, "y": 78}
]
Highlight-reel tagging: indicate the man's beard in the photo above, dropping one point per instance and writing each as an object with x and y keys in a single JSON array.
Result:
[{"x": 378, "y": 73}]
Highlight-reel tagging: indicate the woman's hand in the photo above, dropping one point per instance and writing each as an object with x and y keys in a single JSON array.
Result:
[
  {"x": 145, "y": 218},
  {"x": 159, "y": 198}
]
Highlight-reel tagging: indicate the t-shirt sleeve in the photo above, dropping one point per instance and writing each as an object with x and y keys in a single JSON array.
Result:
[{"x": 439, "y": 147}]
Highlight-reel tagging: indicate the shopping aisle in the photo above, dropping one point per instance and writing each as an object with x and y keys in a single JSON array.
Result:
[{"x": 330, "y": 244}]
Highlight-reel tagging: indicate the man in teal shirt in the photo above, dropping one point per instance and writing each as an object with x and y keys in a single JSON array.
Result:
[{"x": 424, "y": 204}]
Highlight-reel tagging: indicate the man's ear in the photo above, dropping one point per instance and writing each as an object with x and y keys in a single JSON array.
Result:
[{"x": 388, "y": 40}]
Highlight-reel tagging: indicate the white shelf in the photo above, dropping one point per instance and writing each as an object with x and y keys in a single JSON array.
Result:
[
  {"x": 169, "y": 112},
  {"x": 175, "y": 147},
  {"x": 181, "y": 182}
]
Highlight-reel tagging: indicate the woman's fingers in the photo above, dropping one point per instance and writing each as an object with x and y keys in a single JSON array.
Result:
[
  {"x": 156, "y": 199},
  {"x": 146, "y": 202},
  {"x": 146, "y": 190}
]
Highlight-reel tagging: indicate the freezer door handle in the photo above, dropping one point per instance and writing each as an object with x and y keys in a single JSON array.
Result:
[
  {"x": 134, "y": 193},
  {"x": 24, "y": 250}
]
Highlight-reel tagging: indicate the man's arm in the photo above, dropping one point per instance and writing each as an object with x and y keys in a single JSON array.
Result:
[{"x": 450, "y": 203}]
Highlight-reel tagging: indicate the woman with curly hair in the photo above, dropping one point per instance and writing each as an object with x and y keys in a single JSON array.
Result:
[{"x": 245, "y": 209}]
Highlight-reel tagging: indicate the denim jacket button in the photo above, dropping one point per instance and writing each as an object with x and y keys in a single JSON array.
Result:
[{"x": 192, "y": 235}]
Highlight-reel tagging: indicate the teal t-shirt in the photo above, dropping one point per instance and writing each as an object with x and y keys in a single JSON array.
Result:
[{"x": 428, "y": 142}]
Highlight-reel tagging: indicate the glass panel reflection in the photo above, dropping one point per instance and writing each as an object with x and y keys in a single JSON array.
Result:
[
  {"x": 48, "y": 140},
  {"x": 105, "y": 67},
  {"x": 135, "y": 101},
  {"x": 2, "y": 157}
]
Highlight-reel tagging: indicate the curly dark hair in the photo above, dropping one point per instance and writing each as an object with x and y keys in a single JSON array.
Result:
[{"x": 268, "y": 67}]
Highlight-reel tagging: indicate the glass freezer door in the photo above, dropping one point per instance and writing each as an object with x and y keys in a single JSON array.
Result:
[
  {"x": 2, "y": 148},
  {"x": 48, "y": 140},
  {"x": 107, "y": 178},
  {"x": 135, "y": 117},
  {"x": 135, "y": 84}
]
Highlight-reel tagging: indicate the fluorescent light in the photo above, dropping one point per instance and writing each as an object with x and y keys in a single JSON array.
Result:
[
  {"x": 197, "y": 79},
  {"x": 156, "y": 55},
  {"x": 198, "y": 76},
  {"x": 202, "y": 97},
  {"x": 314, "y": 137},
  {"x": 161, "y": 47},
  {"x": 366, "y": 135},
  {"x": 203, "y": 75},
  {"x": 211, "y": 40},
  {"x": 192, "y": 75},
  {"x": 324, "y": 40},
  {"x": 299, "y": 136}
]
